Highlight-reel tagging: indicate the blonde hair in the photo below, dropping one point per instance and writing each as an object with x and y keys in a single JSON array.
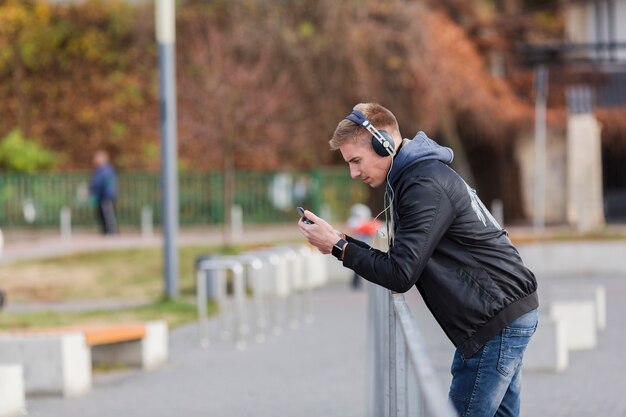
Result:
[{"x": 381, "y": 118}]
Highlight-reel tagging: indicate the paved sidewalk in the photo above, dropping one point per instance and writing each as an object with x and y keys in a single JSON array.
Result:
[
  {"x": 593, "y": 385},
  {"x": 316, "y": 370},
  {"x": 319, "y": 369},
  {"x": 46, "y": 245}
]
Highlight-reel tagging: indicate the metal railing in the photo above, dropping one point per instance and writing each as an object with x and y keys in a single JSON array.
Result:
[
  {"x": 279, "y": 280},
  {"x": 401, "y": 379}
]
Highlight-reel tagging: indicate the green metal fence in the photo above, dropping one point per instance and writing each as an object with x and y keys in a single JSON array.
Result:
[{"x": 36, "y": 200}]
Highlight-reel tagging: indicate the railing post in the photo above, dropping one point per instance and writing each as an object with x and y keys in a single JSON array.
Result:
[
  {"x": 219, "y": 268},
  {"x": 400, "y": 365},
  {"x": 386, "y": 352},
  {"x": 392, "y": 362},
  {"x": 254, "y": 269},
  {"x": 201, "y": 301}
]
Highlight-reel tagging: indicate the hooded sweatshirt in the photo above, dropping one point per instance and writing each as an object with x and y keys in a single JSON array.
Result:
[{"x": 420, "y": 148}]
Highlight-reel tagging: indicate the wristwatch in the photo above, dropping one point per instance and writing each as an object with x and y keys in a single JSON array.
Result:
[{"x": 338, "y": 249}]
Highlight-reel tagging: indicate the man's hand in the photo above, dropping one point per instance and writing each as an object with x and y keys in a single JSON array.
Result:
[{"x": 319, "y": 234}]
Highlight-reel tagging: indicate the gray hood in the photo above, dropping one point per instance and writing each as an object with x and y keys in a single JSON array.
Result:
[{"x": 420, "y": 148}]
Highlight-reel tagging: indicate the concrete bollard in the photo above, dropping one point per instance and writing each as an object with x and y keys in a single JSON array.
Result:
[
  {"x": 65, "y": 220},
  {"x": 579, "y": 320},
  {"x": 547, "y": 350},
  {"x": 236, "y": 222},
  {"x": 12, "y": 397},
  {"x": 582, "y": 292},
  {"x": 147, "y": 225}
]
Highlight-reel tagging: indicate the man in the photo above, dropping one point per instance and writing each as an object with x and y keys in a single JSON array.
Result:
[
  {"x": 103, "y": 192},
  {"x": 445, "y": 242}
]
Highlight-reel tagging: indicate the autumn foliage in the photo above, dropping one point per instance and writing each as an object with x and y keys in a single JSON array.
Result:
[{"x": 261, "y": 85}]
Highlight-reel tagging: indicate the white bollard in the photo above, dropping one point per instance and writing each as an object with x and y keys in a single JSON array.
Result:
[
  {"x": 582, "y": 292},
  {"x": 147, "y": 225},
  {"x": 580, "y": 322},
  {"x": 236, "y": 222},
  {"x": 66, "y": 222},
  {"x": 12, "y": 397}
]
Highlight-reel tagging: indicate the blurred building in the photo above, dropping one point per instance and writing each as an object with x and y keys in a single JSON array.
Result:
[
  {"x": 586, "y": 179},
  {"x": 597, "y": 35}
]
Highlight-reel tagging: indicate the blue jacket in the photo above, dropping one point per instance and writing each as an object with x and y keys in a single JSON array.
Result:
[{"x": 103, "y": 185}]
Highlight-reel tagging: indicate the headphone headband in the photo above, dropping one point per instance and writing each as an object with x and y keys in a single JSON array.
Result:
[{"x": 360, "y": 119}]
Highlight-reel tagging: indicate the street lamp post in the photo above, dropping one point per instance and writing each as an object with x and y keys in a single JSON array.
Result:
[{"x": 166, "y": 39}]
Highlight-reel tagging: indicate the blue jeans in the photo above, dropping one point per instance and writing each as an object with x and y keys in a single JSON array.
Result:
[{"x": 489, "y": 383}]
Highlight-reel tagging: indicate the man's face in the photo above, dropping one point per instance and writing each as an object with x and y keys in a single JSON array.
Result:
[{"x": 364, "y": 163}]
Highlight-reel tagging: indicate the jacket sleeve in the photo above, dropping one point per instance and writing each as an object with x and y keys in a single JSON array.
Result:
[
  {"x": 424, "y": 213},
  {"x": 358, "y": 242}
]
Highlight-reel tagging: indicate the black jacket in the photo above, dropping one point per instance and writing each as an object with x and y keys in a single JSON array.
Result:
[{"x": 448, "y": 245}]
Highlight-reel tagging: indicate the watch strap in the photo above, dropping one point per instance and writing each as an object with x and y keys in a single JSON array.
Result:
[{"x": 337, "y": 250}]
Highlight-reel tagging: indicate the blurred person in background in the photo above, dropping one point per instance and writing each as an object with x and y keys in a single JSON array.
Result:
[
  {"x": 103, "y": 192},
  {"x": 361, "y": 225},
  {"x": 442, "y": 240}
]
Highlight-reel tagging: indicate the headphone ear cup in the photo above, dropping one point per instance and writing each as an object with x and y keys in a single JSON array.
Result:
[{"x": 379, "y": 148}]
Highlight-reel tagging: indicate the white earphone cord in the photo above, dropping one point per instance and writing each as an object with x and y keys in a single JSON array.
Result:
[{"x": 388, "y": 202}]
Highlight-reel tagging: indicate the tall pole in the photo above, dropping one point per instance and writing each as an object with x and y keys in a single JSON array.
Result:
[
  {"x": 166, "y": 38},
  {"x": 541, "y": 96}
]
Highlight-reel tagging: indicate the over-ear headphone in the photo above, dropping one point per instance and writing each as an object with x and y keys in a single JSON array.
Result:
[{"x": 382, "y": 142}]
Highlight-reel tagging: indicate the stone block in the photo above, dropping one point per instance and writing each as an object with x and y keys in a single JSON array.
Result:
[
  {"x": 12, "y": 397},
  {"x": 55, "y": 363},
  {"x": 579, "y": 318},
  {"x": 582, "y": 292}
]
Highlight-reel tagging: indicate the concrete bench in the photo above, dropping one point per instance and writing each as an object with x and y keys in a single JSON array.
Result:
[
  {"x": 53, "y": 363},
  {"x": 547, "y": 350},
  {"x": 59, "y": 360},
  {"x": 141, "y": 345},
  {"x": 12, "y": 401}
]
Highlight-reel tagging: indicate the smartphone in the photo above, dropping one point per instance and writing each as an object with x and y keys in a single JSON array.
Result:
[{"x": 304, "y": 219}]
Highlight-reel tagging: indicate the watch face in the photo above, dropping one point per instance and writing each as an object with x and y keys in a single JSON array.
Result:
[{"x": 337, "y": 250}]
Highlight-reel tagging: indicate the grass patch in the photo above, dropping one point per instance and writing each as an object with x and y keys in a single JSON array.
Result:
[
  {"x": 126, "y": 274},
  {"x": 174, "y": 312},
  {"x": 130, "y": 274}
]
